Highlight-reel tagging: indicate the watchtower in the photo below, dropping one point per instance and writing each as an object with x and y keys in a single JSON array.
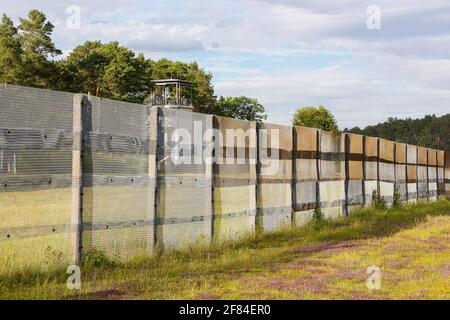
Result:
[{"x": 172, "y": 93}]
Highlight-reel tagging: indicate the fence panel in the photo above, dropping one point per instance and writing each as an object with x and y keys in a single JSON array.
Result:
[
  {"x": 371, "y": 168},
  {"x": 411, "y": 172},
  {"x": 422, "y": 173},
  {"x": 274, "y": 197},
  {"x": 134, "y": 161},
  {"x": 184, "y": 204},
  {"x": 332, "y": 174},
  {"x": 35, "y": 178},
  {"x": 234, "y": 178},
  {"x": 118, "y": 200},
  {"x": 447, "y": 173},
  {"x": 306, "y": 170},
  {"x": 432, "y": 174},
  {"x": 387, "y": 170},
  {"x": 400, "y": 169},
  {"x": 355, "y": 182},
  {"x": 440, "y": 174}
]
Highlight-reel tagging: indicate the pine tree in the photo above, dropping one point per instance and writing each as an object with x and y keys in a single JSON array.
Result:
[
  {"x": 10, "y": 53},
  {"x": 38, "y": 48}
]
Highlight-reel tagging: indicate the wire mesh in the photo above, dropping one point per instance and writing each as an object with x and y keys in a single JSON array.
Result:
[{"x": 35, "y": 178}]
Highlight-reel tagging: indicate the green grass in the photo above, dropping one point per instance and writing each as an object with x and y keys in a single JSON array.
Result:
[{"x": 325, "y": 260}]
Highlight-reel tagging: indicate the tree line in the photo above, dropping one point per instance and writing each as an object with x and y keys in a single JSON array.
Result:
[
  {"x": 430, "y": 131},
  {"x": 29, "y": 57}
]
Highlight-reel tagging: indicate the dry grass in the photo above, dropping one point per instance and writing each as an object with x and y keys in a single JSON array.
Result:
[{"x": 326, "y": 260}]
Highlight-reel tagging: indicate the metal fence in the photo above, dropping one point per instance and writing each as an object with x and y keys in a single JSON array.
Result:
[{"x": 80, "y": 173}]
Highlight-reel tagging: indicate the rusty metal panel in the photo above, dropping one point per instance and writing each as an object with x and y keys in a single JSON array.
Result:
[
  {"x": 274, "y": 206},
  {"x": 422, "y": 173},
  {"x": 432, "y": 174},
  {"x": 234, "y": 178},
  {"x": 387, "y": 170},
  {"x": 447, "y": 173},
  {"x": 440, "y": 173},
  {"x": 411, "y": 172},
  {"x": 306, "y": 168},
  {"x": 355, "y": 184},
  {"x": 371, "y": 168},
  {"x": 332, "y": 174},
  {"x": 400, "y": 169}
]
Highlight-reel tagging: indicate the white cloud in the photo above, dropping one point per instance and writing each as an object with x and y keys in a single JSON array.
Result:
[{"x": 286, "y": 52}]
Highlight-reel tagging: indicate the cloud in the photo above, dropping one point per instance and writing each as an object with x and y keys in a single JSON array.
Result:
[{"x": 287, "y": 53}]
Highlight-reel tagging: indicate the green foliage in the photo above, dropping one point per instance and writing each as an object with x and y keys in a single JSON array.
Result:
[
  {"x": 103, "y": 69},
  {"x": 10, "y": 53},
  {"x": 317, "y": 215},
  {"x": 243, "y": 108},
  {"x": 107, "y": 70},
  {"x": 215, "y": 268},
  {"x": 396, "y": 202},
  {"x": 38, "y": 48},
  {"x": 315, "y": 117},
  {"x": 97, "y": 259},
  {"x": 378, "y": 202},
  {"x": 203, "y": 89},
  {"x": 430, "y": 131}
]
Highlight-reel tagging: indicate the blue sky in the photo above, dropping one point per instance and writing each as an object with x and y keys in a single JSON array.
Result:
[{"x": 286, "y": 53}]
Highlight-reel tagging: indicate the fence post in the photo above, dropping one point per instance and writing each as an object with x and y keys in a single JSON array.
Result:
[
  {"x": 378, "y": 168},
  {"x": 428, "y": 175},
  {"x": 77, "y": 179},
  {"x": 406, "y": 174},
  {"x": 318, "y": 157},
  {"x": 395, "y": 171},
  {"x": 153, "y": 170},
  {"x": 294, "y": 176},
  {"x": 364, "y": 200},
  {"x": 347, "y": 170},
  {"x": 417, "y": 174},
  {"x": 254, "y": 169},
  {"x": 209, "y": 166}
]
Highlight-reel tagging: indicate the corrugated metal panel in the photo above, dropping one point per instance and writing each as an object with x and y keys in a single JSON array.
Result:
[
  {"x": 306, "y": 184},
  {"x": 234, "y": 183},
  {"x": 35, "y": 178},
  {"x": 411, "y": 172},
  {"x": 184, "y": 209},
  {"x": 440, "y": 173},
  {"x": 422, "y": 173},
  {"x": 118, "y": 201},
  {"x": 432, "y": 174},
  {"x": 447, "y": 173},
  {"x": 274, "y": 198},
  {"x": 400, "y": 169},
  {"x": 332, "y": 174},
  {"x": 387, "y": 170},
  {"x": 355, "y": 186}
]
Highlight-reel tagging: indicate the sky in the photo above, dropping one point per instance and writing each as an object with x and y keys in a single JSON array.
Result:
[{"x": 365, "y": 61}]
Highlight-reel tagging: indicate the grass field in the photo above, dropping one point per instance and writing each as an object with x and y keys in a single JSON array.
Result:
[{"x": 326, "y": 260}]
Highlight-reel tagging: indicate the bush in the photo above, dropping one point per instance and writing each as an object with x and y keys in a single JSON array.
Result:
[
  {"x": 97, "y": 259},
  {"x": 396, "y": 202},
  {"x": 378, "y": 202}
]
